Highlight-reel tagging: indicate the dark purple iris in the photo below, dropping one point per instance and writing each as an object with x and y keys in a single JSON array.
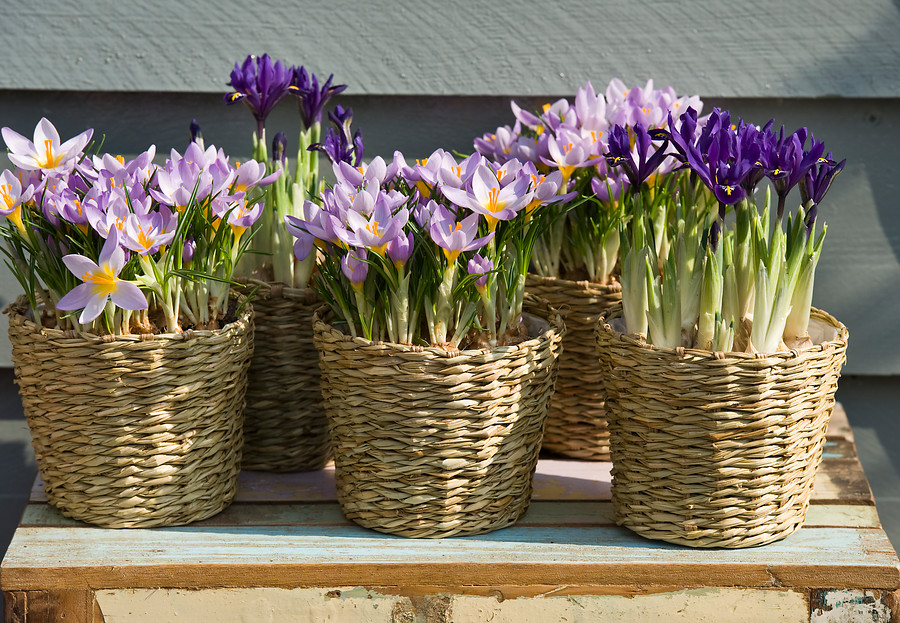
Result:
[
  {"x": 815, "y": 185},
  {"x": 786, "y": 161},
  {"x": 312, "y": 99},
  {"x": 260, "y": 84},
  {"x": 725, "y": 158},
  {"x": 279, "y": 144},
  {"x": 620, "y": 153},
  {"x": 339, "y": 144},
  {"x": 196, "y": 136}
]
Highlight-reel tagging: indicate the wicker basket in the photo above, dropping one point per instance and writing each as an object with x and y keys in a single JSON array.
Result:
[
  {"x": 713, "y": 449},
  {"x": 134, "y": 431},
  {"x": 285, "y": 428},
  {"x": 430, "y": 443},
  {"x": 576, "y": 425}
]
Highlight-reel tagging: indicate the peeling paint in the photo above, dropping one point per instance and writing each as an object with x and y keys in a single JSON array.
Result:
[{"x": 845, "y": 606}]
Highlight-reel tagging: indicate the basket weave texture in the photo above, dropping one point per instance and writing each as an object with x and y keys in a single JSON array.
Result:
[
  {"x": 134, "y": 431},
  {"x": 431, "y": 443},
  {"x": 285, "y": 428},
  {"x": 576, "y": 425},
  {"x": 713, "y": 449}
]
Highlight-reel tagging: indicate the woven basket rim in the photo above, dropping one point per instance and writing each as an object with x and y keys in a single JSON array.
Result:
[
  {"x": 581, "y": 284},
  {"x": 638, "y": 340},
  {"x": 20, "y": 306},
  {"x": 557, "y": 327}
]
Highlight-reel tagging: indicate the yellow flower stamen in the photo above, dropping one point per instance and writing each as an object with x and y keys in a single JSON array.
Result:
[
  {"x": 103, "y": 281},
  {"x": 50, "y": 159},
  {"x": 6, "y": 193}
]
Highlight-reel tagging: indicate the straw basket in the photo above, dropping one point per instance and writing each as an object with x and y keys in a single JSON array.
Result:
[
  {"x": 431, "y": 443},
  {"x": 576, "y": 425},
  {"x": 285, "y": 428},
  {"x": 134, "y": 431},
  {"x": 713, "y": 449}
]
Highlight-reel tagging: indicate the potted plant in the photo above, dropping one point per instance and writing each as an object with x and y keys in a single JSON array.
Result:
[
  {"x": 575, "y": 265},
  {"x": 134, "y": 404},
  {"x": 280, "y": 435},
  {"x": 436, "y": 383},
  {"x": 720, "y": 376}
]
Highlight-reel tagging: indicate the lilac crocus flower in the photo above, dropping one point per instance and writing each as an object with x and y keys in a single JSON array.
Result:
[
  {"x": 355, "y": 267},
  {"x": 480, "y": 266},
  {"x": 101, "y": 282},
  {"x": 497, "y": 145},
  {"x": 45, "y": 152},
  {"x": 491, "y": 199},
  {"x": 146, "y": 233},
  {"x": 570, "y": 150},
  {"x": 12, "y": 196},
  {"x": 400, "y": 249},
  {"x": 453, "y": 237},
  {"x": 260, "y": 84},
  {"x": 312, "y": 98},
  {"x": 187, "y": 250},
  {"x": 375, "y": 232},
  {"x": 610, "y": 187}
]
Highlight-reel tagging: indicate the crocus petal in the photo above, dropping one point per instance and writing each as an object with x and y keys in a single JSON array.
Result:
[
  {"x": 77, "y": 297},
  {"x": 112, "y": 253},
  {"x": 128, "y": 296},
  {"x": 93, "y": 308},
  {"x": 79, "y": 265},
  {"x": 17, "y": 143}
]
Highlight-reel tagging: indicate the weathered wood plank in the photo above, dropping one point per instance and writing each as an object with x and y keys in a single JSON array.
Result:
[
  {"x": 839, "y": 425},
  {"x": 846, "y": 606},
  {"x": 329, "y": 556},
  {"x": 782, "y": 49},
  {"x": 52, "y": 606},
  {"x": 842, "y": 481},
  {"x": 726, "y": 605}
]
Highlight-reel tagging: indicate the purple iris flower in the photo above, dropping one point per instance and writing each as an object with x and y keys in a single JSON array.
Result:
[
  {"x": 620, "y": 153},
  {"x": 312, "y": 99},
  {"x": 279, "y": 144},
  {"x": 819, "y": 177},
  {"x": 339, "y": 144},
  {"x": 260, "y": 84},
  {"x": 815, "y": 185},
  {"x": 196, "y": 136},
  {"x": 787, "y": 161},
  {"x": 719, "y": 155}
]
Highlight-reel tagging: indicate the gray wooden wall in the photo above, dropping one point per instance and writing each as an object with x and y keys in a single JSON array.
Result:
[{"x": 435, "y": 74}]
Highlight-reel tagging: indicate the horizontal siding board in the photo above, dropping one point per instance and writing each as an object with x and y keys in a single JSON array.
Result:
[
  {"x": 858, "y": 278},
  {"x": 726, "y": 49}
]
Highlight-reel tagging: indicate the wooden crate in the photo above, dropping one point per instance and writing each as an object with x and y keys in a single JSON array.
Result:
[{"x": 284, "y": 552}]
